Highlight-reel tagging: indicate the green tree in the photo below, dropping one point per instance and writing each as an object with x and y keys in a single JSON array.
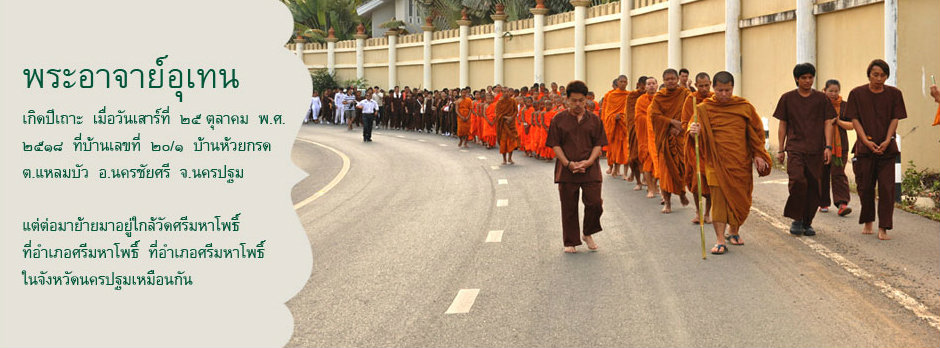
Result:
[{"x": 313, "y": 18}]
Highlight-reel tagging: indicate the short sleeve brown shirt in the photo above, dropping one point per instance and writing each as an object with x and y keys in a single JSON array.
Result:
[
  {"x": 875, "y": 111},
  {"x": 806, "y": 120},
  {"x": 577, "y": 140}
]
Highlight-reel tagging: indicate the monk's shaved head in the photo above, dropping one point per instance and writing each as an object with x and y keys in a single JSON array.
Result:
[
  {"x": 668, "y": 72},
  {"x": 723, "y": 77},
  {"x": 702, "y": 83}
]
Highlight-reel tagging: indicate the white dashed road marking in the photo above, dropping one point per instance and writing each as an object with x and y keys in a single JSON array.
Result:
[
  {"x": 494, "y": 236},
  {"x": 502, "y": 202},
  {"x": 463, "y": 301},
  {"x": 503, "y": 182}
]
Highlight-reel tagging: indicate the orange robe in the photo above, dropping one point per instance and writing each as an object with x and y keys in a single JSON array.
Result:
[
  {"x": 547, "y": 151},
  {"x": 489, "y": 130},
  {"x": 641, "y": 112},
  {"x": 687, "y": 113},
  {"x": 536, "y": 142},
  {"x": 527, "y": 129},
  {"x": 615, "y": 103},
  {"x": 520, "y": 129},
  {"x": 633, "y": 154},
  {"x": 463, "y": 110},
  {"x": 670, "y": 155},
  {"x": 505, "y": 121},
  {"x": 732, "y": 136},
  {"x": 475, "y": 120},
  {"x": 936, "y": 119}
]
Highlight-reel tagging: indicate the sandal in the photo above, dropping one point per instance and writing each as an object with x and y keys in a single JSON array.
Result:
[
  {"x": 719, "y": 249},
  {"x": 734, "y": 239}
]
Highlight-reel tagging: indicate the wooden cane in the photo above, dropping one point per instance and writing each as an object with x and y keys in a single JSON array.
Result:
[{"x": 698, "y": 178}]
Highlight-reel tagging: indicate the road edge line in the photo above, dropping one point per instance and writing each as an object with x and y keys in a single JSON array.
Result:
[
  {"x": 898, "y": 296},
  {"x": 339, "y": 177}
]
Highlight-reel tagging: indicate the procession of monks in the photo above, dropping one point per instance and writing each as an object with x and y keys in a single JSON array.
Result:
[
  {"x": 510, "y": 119},
  {"x": 677, "y": 136}
]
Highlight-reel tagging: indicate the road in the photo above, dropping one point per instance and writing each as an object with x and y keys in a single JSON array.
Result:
[{"x": 405, "y": 230}]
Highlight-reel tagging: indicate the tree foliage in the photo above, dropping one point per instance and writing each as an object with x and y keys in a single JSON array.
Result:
[
  {"x": 313, "y": 18},
  {"x": 323, "y": 79}
]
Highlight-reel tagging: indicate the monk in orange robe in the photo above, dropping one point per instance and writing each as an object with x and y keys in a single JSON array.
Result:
[
  {"x": 475, "y": 117},
  {"x": 538, "y": 117},
  {"x": 464, "y": 109},
  {"x": 525, "y": 116},
  {"x": 506, "y": 133},
  {"x": 732, "y": 144},
  {"x": 633, "y": 161},
  {"x": 702, "y": 91},
  {"x": 549, "y": 154},
  {"x": 489, "y": 121},
  {"x": 666, "y": 119},
  {"x": 613, "y": 115},
  {"x": 642, "y": 122},
  {"x": 520, "y": 121}
]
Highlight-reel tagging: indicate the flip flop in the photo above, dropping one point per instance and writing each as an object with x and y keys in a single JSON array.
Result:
[
  {"x": 721, "y": 249},
  {"x": 734, "y": 239}
]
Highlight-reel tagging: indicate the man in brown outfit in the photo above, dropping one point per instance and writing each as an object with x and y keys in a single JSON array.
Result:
[
  {"x": 875, "y": 109},
  {"x": 805, "y": 136},
  {"x": 577, "y": 136}
]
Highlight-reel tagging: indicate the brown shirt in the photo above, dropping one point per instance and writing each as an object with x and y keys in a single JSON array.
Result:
[
  {"x": 806, "y": 120},
  {"x": 874, "y": 111},
  {"x": 577, "y": 140}
]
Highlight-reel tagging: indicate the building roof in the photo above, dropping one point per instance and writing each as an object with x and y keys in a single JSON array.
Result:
[{"x": 369, "y": 6}]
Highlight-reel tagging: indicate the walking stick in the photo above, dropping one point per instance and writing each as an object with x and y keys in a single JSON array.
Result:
[{"x": 698, "y": 178}]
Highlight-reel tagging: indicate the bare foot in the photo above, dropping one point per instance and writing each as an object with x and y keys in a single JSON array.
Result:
[
  {"x": 511, "y": 162},
  {"x": 637, "y": 187},
  {"x": 867, "y": 229},
  {"x": 590, "y": 242},
  {"x": 683, "y": 199},
  {"x": 629, "y": 178},
  {"x": 615, "y": 174},
  {"x": 667, "y": 209},
  {"x": 610, "y": 170},
  {"x": 695, "y": 220},
  {"x": 708, "y": 219},
  {"x": 650, "y": 195},
  {"x": 570, "y": 250},
  {"x": 883, "y": 234}
]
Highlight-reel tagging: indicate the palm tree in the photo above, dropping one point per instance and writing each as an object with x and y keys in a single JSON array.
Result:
[{"x": 313, "y": 18}]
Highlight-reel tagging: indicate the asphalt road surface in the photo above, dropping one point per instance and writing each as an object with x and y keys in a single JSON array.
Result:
[{"x": 405, "y": 230}]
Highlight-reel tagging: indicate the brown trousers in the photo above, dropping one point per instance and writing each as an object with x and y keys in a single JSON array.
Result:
[
  {"x": 805, "y": 171},
  {"x": 868, "y": 172},
  {"x": 593, "y": 208},
  {"x": 834, "y": 176}
]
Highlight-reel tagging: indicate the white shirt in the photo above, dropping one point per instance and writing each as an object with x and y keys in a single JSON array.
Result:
[
  {"x": 338, "y": 98},
  {"x": 377, "y": 98},
  {"x": 368, "y": 106},
  {"x": 315, "y": 103}
]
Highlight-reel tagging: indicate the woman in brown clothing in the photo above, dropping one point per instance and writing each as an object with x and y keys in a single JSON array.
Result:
[{"x": 834, "y": 173}]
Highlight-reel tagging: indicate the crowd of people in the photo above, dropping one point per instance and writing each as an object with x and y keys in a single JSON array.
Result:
[{"x": 672, "y": 137}]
